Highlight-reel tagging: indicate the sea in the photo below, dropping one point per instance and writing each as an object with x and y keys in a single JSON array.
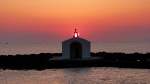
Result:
[
  {"x": 36, "y": 48},
  {"x": 93, "y": 75}
]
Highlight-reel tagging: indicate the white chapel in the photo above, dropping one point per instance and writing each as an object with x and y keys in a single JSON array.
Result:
[{"x": 76, "y": 48}]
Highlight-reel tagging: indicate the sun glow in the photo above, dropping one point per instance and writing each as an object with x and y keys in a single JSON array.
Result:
[
  {"x": 76, "y": 34},
  {"x": 101, "y": 21}
]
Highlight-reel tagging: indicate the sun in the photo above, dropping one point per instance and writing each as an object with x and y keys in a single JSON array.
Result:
[{"x": 76, "y": 34}]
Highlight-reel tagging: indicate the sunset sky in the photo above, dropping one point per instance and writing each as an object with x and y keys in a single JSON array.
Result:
[{"x": 34, "y": 26}]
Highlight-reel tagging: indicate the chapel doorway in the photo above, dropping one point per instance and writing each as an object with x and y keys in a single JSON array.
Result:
[{"x": 76, "y": 50}]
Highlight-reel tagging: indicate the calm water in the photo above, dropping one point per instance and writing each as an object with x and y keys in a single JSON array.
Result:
[
  {"x": 13, "y": 49},
  {"x": 76, "y": 76}
]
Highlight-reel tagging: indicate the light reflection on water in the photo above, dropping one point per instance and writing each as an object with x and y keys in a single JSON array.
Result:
[{"x": 76, "y": 76}]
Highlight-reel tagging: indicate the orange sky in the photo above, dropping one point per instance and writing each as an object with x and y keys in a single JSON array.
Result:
[{"x": 97, "y": 20}]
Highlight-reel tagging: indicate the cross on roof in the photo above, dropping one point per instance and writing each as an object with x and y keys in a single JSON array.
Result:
[{"x": 76, "y": 34}]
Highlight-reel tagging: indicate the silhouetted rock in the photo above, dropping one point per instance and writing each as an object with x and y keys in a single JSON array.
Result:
[{"x": 42, "y": 61}]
